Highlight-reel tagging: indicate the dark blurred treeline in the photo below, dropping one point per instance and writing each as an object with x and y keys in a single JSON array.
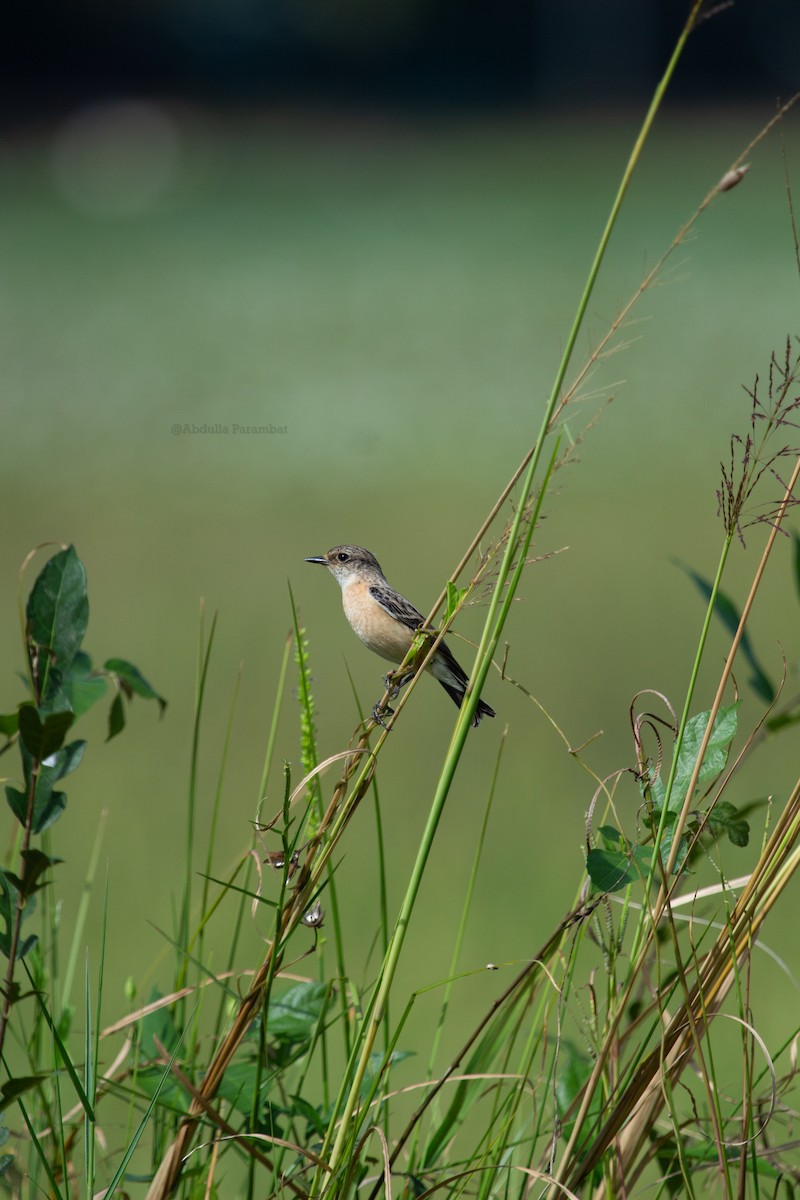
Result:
[{"x": 396, "y": 53}]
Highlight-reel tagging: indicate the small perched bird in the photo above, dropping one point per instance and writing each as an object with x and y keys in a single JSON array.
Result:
[{"x": 386, "y": 622}]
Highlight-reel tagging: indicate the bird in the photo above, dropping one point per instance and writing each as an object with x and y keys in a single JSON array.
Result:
[{"x": 386, "y": 622}]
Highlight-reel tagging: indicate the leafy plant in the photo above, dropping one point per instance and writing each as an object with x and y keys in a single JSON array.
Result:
[{"x": 62, "y": 685}]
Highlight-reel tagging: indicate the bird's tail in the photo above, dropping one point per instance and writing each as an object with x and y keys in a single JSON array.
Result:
[{"x": 457, "y": 695}]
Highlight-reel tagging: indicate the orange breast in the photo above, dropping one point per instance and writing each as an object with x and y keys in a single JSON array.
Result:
[{"x": 372, "y": 624}]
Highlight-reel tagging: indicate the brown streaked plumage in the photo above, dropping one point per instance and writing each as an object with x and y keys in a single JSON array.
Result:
[{"x": 386, "y": 622}]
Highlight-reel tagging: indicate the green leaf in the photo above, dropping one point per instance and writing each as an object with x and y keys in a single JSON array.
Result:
[
  {"x": 728, "y": 613},
  {"x": 619, "y": 863},
  {"x": 9, "y": 724},
  {"x": 612, "y": 870},
  {"x": 9, "y": 895},
  {"x": 34, "y": 864},
  {"x": 716, "y": 754},
  {"x": 725, "y": 818},
  {"x": 116, "y": 717},
  {"x": 18, "y": 803},
  {"x": 796, "y": 541},
  {"x": 239, "y": 1083},
  {"x": 82, "y": 685},
  {"x": 575, "y": 1067},
  {"x": 667, "y": 839},
  {"x": 313, "y": 1116},
  {"x": 43, "y": 738},
  {"x": 612, "y": 838},
  {"x": 294, "y": 1016},
  {"x": 781, "y": 720},
  {"x": 133, "y": 682},
  {"x": 48, "y": 807},
  {"x": 66, "y": 760},
  {"x": 454, "y": 597},
  {"x": 58, "y": 765},
  {"x": 58, "y": 608},
  {"x": 12, "y": 1089},
  {"x": 157, "y": 1026},
  {"x": 47, "y": 813}
]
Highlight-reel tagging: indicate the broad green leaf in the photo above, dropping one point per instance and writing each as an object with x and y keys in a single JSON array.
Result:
[
  {"x": 47, "y": 813},
  {"x": 157, "y": 1025},
  {"x": 58, "y": 608},
  {"x": 612, "y": 837},
  {"x": 55, "y": 767},
  {"x": 715, "y": 758},
  {"x": 728, "y": 613},
  {"x": 312, "y": 1116},
  {"x": 612, "y": 870},
  {"x": 618, "y": 864},
  {"x": 133, "y": 682},
  {"x": 41, "y": 738},
  {"x": 667, "y": 840},
  {"x": 239, "y": 1083},
  {"x": 294, "y": 1016},
  {"x": 725, "y": 818},
  {"x": 67, "y": 759},
  {"x": 82, "y": 685},
  {"x": 18, "y": 803},
  {"x": 12, "y": 1089}
]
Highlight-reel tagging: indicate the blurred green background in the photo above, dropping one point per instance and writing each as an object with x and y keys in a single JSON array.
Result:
[{"x": 395, "y": 291}]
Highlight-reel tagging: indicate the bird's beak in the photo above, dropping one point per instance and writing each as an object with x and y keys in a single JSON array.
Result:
[{"x": 320, "y": 558}]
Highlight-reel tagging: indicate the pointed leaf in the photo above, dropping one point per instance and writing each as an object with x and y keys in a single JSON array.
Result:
[
  {"x": 725, "y": 818},
  {"x": 728, "y": 613},
  {"x": 294, "y": 1016},
  {"x": 18, "y": 803},
  {"x": 12, "y": 1089},
  {"x": 47, "y": 813},
  {"x": 58, "y": 608},
  {"x": 35, "y": 863},
  {"x": 82, "y": 685},
  {"x": 42, "y": 738},
  {"x": 612, "y": 870},
  {"x": 312, "y": 1116},
  {"x": 47, "y": 808},
  {"x": 116, "y": 717},
  {"x": 716, "y": 754},
  {"x": 133, "y": 681}
]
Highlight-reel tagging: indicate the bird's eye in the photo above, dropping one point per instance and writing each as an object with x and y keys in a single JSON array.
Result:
[{"x": 342, "y": 557}]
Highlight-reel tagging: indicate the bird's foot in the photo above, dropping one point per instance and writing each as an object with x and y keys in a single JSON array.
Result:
[
  {"x": 380, "y": 715},
  {"x": 393, "y": 685}
]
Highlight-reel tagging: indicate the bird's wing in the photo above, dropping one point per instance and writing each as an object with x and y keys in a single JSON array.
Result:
[{"x": 397, "y": 606}]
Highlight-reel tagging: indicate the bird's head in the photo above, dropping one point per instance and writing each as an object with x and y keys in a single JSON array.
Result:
[{"x": 347, "y": 563}]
